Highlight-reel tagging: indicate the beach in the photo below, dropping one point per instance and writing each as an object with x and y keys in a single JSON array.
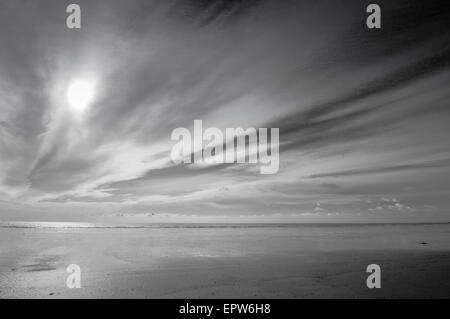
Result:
[{"x": 224, "y": 261}]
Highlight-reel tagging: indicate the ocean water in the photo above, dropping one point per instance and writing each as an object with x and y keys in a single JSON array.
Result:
[
  {"x": 247, "y": 237},
  {"x": 229, "y": 260}
]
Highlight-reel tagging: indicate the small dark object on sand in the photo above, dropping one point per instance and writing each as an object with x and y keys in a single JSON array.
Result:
[{"x": 424, "y": 243}]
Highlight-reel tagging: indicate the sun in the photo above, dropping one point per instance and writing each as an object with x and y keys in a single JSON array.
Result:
[{"x": 80, "y": 95}]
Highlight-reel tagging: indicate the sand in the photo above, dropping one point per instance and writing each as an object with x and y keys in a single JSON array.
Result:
[{"x": 240, "y": 262}]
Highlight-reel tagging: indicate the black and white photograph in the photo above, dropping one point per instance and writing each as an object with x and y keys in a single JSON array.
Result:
[{"x": 224, "y": 149}]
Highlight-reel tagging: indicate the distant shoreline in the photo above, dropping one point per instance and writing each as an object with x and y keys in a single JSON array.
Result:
[{"x": 149, "y": 225}]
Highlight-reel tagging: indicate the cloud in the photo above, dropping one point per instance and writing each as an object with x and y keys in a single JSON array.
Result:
[
  {"x": 360, "y": 113},
  {"x": 318, "y": 208},
  {"x": 444, "y": 163},
  {"x": 390, "y": 204},
  {"x": 329, "y": 185}
]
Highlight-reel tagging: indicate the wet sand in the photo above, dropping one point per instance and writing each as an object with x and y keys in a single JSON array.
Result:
[{"x": 232, "y": 262}]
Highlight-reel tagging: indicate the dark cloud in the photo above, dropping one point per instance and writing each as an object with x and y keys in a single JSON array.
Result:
[
  {"x": 378, "y": 170},
  {"x": 329, "y": 185}
]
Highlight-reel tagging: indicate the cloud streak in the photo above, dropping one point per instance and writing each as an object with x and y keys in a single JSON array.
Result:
[{"x": 362, "y": 113}]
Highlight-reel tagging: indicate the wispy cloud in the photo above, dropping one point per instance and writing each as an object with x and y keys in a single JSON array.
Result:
[{"x": 362, "y": 113}]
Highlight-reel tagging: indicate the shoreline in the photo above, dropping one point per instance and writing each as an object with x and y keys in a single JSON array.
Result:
[{"x": 296, "y": 262}]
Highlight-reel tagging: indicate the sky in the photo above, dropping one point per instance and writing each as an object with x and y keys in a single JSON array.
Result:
[{"x": 363, "y": 113}]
